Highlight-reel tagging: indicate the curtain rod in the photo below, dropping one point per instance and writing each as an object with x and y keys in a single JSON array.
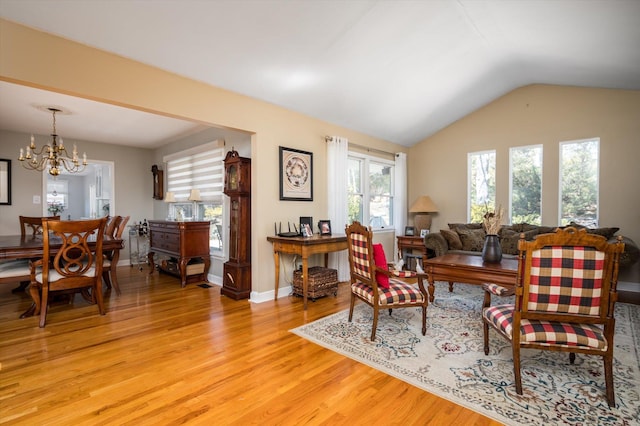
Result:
[{"x": 366, "y": 148}]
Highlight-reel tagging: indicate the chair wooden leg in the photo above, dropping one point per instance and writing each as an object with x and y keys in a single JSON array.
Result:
[
  {"x": 424, "y": 320},
  {"x": 375, "y": 324},
  {"x": 353, "y": 302},
  {"x": 44, "y": 306},
  {"x": 516, "y": 367},
  {"x": 572, "y": 357},
  {"x": 113, "y": 278},
  {"x": 608, "y": 379},
  {"x": 486, "y": 336},
  {"x": 97, "y": 292},
  {"x": 106, "y": 278}
]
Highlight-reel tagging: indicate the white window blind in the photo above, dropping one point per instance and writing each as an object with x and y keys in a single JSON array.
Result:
[{"x": 196, "y": 168}]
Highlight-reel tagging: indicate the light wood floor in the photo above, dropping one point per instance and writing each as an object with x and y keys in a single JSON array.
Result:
[{"x": 166, "y": 355}]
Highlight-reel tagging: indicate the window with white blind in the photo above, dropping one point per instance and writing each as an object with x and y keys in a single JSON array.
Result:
[{"x": 200, "y": 168}]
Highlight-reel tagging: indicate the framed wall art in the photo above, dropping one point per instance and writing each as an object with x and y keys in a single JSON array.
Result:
[
  {"x": 296, "y": 175},
  {"x": 5, "y": 181}
]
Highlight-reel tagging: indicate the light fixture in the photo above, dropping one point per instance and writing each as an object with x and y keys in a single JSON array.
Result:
[
  {"x": 54, "y": 156},
  {"x": 169, "y": 197},
  {"x": 423, "y": 204},
  {"x": 195, "y": 197}
]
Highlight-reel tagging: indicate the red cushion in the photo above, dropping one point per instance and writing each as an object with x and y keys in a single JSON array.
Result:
[{"x": 381, "y": 262}]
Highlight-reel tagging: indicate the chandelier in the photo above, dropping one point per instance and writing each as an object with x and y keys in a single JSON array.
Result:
[{"x": 54, "y": 156}]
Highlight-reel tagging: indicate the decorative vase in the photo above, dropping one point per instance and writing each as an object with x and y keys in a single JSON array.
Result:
[{"x": 492, "y": 252}]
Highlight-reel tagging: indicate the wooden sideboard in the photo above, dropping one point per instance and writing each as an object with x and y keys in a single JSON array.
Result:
[{"x": 184, "y": 241}]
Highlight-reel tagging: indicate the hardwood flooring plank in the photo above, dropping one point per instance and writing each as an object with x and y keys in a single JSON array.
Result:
[{"x": 169, "y": 355}]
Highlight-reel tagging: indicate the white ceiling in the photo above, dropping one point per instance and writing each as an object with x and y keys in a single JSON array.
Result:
[{"x": 397, "y": 70}]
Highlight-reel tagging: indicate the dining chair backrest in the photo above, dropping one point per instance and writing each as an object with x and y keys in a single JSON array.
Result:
[
  {"x": 34, "y": 224},
  {"x": 77, "y": 261},
  {"x": 120, "y": 226},
  {"x": 112, "y": 224}
]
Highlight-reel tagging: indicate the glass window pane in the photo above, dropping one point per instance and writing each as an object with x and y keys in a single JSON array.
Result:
[
  {"x": 482, "y": 184},
  {"x": 355, "y": 208},
  {"x": 526, "y": 184},
  {"x": 213, "y": 213},
  {"x": 579, "y": 164},
  {"x": 355, "y": 176}
]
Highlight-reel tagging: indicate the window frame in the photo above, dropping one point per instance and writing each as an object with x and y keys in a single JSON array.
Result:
[
  {"x": 541, "y": 159},
  {"x": 365, "y": 192},
  {"x": 561, "y": 179}
]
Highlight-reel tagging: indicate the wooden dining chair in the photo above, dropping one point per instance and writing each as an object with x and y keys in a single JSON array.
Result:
[
  {"x": 565, "y": 297},
  {"x": 77, "y": 264},
  {"x": 33, "y": 224},
  {"x": 19, "y": 270},
  {"x": 376, "y": 285},
  {"x": 111, "y": 257}
]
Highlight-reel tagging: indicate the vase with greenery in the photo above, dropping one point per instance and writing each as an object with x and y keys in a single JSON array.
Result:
[{"x": 492, "y": 221}]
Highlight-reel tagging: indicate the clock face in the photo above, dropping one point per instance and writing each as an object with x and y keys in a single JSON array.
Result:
[{"x": 297, "y": 172}]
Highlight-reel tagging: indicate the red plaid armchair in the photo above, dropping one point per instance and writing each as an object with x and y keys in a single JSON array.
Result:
[
  {"x": 564, "y": 299},
  {"x": 386, "y": 291}
]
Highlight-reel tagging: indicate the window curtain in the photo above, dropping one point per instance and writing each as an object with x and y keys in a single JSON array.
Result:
[
  {"x": 337, "y": 166},
  {"x": 400, "y": 195}
]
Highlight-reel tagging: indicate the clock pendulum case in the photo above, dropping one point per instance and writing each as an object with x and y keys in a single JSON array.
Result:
[{"x": 236, "y": 282}]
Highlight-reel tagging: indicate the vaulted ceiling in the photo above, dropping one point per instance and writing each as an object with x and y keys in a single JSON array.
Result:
[{"x": 397, "y": 70}]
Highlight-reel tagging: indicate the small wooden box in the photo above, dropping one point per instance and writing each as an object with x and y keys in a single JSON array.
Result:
[{"x": 322, "y": 282}]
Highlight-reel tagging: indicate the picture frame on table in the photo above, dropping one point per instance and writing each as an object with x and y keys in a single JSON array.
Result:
[
  {"x": 424, "y": 232},
  {"x": 325, "y": 227},
  {"x": 296, "y": 175},
  {"x": 409, "y": 231},
  {"x": 5, "y": 181},
  {"x": 306, "y": 220},
  {"x": 306, "y": 230}
]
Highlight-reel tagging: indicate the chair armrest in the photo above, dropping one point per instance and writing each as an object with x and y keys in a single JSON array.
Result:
[
  {"x": 498, "y": 290},
  {"x": 435, "y": 242}
]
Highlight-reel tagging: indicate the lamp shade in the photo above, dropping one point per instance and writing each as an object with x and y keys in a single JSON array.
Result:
[
  {"x": 195, "y": 195},
  {"x": 423, "y": 204},
  {"x": 169, "y": 197}
]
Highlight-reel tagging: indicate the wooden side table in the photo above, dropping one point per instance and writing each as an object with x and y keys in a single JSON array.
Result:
[{"x": 407, "y": 245}]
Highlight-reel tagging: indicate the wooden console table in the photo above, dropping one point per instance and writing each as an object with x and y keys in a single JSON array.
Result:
[
  {"x": 184, "y": 241},
  {"x": 305, "y": 247},
  {"x": 467, "y": 268}
]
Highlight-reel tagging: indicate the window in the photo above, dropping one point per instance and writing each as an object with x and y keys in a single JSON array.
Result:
[
  {"x": 579, "y": 182},
  {"x": 200, "y": 168},
  {"x": 481, "y": 184},
  {"x": 370, "y": 191},
  {"x": 57, "y": 196},
  {"x": 525, "y": 184}
]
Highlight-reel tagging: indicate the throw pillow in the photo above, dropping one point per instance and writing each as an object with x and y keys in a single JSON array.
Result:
[
  {"x": 472, "y": 239},
  {"x": 381, "y": 262},
  {"x": 509, "y": 240},
  {"x": 605, "y": 232},
  {"x": 464, "y": 226},
  {"x": 453, "y": 239}
]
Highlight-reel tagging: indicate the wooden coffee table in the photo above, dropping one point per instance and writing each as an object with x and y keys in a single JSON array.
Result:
[{"x": 467, "y": 268}]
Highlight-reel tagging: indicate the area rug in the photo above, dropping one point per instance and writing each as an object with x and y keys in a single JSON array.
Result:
[{"x": 450, "y": 362}]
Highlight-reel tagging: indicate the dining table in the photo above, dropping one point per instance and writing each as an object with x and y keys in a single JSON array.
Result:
[{"x": 32, "y": 247}]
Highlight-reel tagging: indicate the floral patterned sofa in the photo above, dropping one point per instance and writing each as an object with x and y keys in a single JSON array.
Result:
[{"x": 469, "y": 238}]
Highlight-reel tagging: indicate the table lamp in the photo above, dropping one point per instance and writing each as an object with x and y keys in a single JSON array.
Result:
[
  {"x": 422, "y": 206},
  {"x": 195, "y": 197},
  {"x": 169, "y": 197}
]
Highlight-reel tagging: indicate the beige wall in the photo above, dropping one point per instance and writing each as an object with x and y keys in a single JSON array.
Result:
[
  {"x": 537, "y": 114},
  {"x": 40, "y": 60}
]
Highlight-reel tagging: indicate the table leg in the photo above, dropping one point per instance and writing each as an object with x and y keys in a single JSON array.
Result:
[
  {"x": 450, "y": 286},
  {"x": 151, "y": 263},
  {"x": 305, "y": 279},
  {"x": 432, "y": 287},
  {"x": 276, "y": 260}
]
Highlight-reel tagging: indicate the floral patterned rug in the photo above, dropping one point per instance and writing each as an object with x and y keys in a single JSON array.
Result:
[{"x": 450, "y": 362}]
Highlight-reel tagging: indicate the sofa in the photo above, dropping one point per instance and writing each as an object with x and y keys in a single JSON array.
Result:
[{"x": 469, "y": 238}]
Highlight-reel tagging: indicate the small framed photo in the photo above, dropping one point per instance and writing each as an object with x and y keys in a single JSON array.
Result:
[
  {"x": 409, "y": 231},
  {"x": 306, "y": 230},
  {"x": 305, "y": 220},
  {"x": 424, "y": 232},
  {"x": 325, "y": 227},
  {"x": 296, "y": 175}
]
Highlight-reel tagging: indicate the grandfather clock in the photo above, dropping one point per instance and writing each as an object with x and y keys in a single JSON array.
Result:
[{"x": 236, "y": 282}]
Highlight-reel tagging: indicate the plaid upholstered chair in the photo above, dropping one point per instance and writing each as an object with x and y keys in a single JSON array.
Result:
[
  {"x": 565, "y": 296},
  {"x": 373, "y": 282}
]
